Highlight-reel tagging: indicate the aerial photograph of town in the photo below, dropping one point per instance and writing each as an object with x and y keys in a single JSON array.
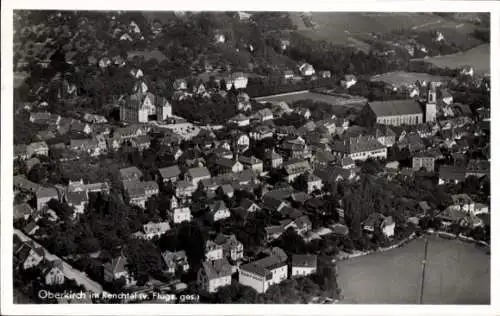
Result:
[{"x": 251, "y": 157}]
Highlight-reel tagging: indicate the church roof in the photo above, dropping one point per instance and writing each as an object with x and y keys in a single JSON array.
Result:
[{"x": 395, "y": 107}]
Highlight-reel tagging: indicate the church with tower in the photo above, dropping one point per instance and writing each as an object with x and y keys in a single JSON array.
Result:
[{"x": 401, "y": 112}]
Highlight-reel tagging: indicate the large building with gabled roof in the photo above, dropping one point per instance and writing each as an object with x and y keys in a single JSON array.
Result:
[{"x": 141, "y": 107}]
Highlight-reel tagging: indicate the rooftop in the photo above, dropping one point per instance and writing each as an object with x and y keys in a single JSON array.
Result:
[{"x": 395, "y": 107}]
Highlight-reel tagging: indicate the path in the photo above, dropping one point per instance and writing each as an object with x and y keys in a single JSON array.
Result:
[{"x": 69, "y": 272}]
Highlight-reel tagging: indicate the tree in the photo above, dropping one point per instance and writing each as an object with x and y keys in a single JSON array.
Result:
[
  {"x": 144, "y": 259},
  {"x": 191, "y": 238},
  {"x": 291, "y": 242}
]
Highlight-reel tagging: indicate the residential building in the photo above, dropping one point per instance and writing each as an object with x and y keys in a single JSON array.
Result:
[
  {"x": 349, "y": 81},
  {"x": 225, "y": 165},
  {"x": 27, "y": 255},
  {"x": 425, "y": 160},
  {"x": 238, "y": 79},
  {"x": 264, "y": 115},
  {"x": 130, "y": 173},
  {"x": 78, "y": 200},
  {"x": 313, "y": 183},
  {"x": 37, "y": 148},
  {"x": 325, "y": 74},
  {"x": 44, "y": 195},
  {"x": 252, "y": 163},
  {"x": 231, "y": 247},
  {"x": 218, "y": 211},
  {"x": 451, "y": 174},
  {"x": 141, "y": 142},
  {"x": 213, "y": 251},
  {"x": 152, "y": 229},
  {"x": 463, "y": 203},
  {"x": 240, "y": 120},
  {"x": 195, "y": 175},
  {"x": 295, "y": 167},
  {"x": 53, "y": 272},
  {"x": 360, "y": 148},
  {"x": 303, "y": 265},
  {"x": 385, "y": 135},
  {"x": 171, "y": 173},
  {"x": 214, "y": 274},
  {"x": 117, "y": 269},
  {"x": 175, "y": 261},
  {"x": 263, "y": 273},
  {"x": 306, "y": 70},
  {"x": 184, "y": 189},
  {"x": 273, "y": 160},
  {"x": 180, "y": 214}
]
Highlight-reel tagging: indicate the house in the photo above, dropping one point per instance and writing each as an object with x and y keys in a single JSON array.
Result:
[
  {"x": 23, "y": 211},
  {"x": 347, "y": 163},
  {"x": 273, "y": 204},
  {"x": 130, "y": 173},
  {"x": 31, "y": 228},
  {"x": 412, "y": 141},
  {"x": 53, "y": 272},
  {"x": 302, "y": 225},
  {"x": 273, "y": 160},
  {"x": 393, "y": 112},
  {"x": 20, "y": 152},
  {"x": 171, "y": 173},
  {"x": 226, "y": 189},
  {"x": 313, "y": 183},
  {"x": 306, "y": 70},
  {"x": 237, "y": 79},
  {"x": 303, "y": 265},
  {"x": 195, "y": 175},
  {"x": 425, "y": 160},
  {"x": 451, "y": 174},
  {"x": 141, "y": 142},
  {"x": 385, "y": 135},
  {"x": 273, "y": 232},
  {"x": 117, "y": 269},
  {"x": 240, "y": 120},
  {"x": 360, "y": 148},
  {"x": 87, "y": 146},
  {"x": 184, "y": 189},
  {"x": 263, "y": 115},
  {"x": 288, "y": 74},
  {"x": 371, "y": 222},
  {"x": 388, "y": 226},
  {"x": 27, "y": 255},
  {"x": 263, "y": 273},
  {"x": 38, "y": 149},
  {"x": 244, "y": 103},
  {"x": 135, "y": 191},
  {"x": 152, "y": 229},
  {"x": 252, "y": 163},
  {"x": 225, "y": 165},
  {"x": 218, "y": 211},
  {"x": 340, "y": 229},
  {"x": 304, "y": 112},
  {"x": 463, "y": 203},
  {"x": 325, "y": 74},
  {"x": 180, "y": 214},
  {"x": 349, "y": 81},
  {"x": 246, "y": 207},
  {"x": 213, "y": 251},
  {"x": 295, "y": 167},
  {"x": 214, "y": 274},
  {"x": 231, "y": 247},
  {"x": 142, "y": 107},
  {"x": 451, "y": 215},
  {"x": 77, "y": 200},
  {"x": 45, "y": 118},
  {"x": 478, "y": 168},
  {"x": 175, "y": 261},
  {"x": 44, "y": 195}
]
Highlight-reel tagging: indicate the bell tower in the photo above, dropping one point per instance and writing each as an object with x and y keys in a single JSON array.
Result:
[{"x": 430, "y": 106}]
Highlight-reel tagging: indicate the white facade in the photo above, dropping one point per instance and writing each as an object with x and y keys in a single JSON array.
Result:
[
  {"x": 388, "y": 230},
  {"x": 261, "y": 283},
  {"x": 214, "y": 253},
  {"x": 301, "y": 271},
  {"x": 221, "y": 214},
  {"x": 180, "y": 214},
  {"x": 379, "y": 153},
  {"x": 212, "y": 285}
]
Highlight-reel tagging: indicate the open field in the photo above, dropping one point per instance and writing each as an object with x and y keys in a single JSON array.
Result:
[
  {"x": 318, "y": 97},
  {"x": 346, "y": 28},
  {"x": 477, "y": 57},
  {"x": 456, "y": 273},
  {"x": 404, "y": 78}
]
